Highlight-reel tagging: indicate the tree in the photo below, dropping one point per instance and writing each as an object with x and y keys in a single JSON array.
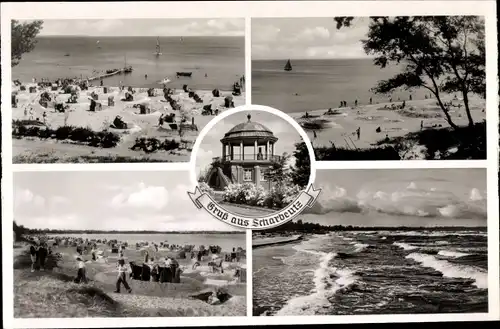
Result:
[
  {"x": 23, "y": 38},
  {"x": 279, "y": 171},
  {"x": 302, "y": 169},
  {"x": 19, "y": 230},
  {"x": 442, "y": 54}
]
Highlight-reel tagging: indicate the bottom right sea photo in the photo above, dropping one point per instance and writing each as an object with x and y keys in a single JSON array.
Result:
[{"x": 379, "y": 241}]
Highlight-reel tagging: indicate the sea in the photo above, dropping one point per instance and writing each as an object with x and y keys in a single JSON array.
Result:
[
  {"x": 221, "y": 59},
  {"x": 373, "y": 272},
  {"x": 226, "y": 241},
  {"x": 436, "y": 264},
  {"x": 322, "y": 84}
]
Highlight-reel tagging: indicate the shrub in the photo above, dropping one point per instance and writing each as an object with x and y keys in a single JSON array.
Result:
[
  {"x": 80, "y": 134},
  {"x": 249, "y": 194},
  {"x": 32, "y": 131},
  {"x": 64, "y": 132},
  {"x": 339, "y": 153},
  {"x": 205, "y": 188}
]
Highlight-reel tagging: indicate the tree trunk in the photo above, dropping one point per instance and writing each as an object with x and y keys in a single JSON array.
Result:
[
  {"x": 466, "y": 104},
  {"x": 445, "y": 111}
]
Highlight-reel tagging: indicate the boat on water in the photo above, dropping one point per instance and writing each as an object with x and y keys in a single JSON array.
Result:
[
  {"x": 158, "y": 48},
  {"x": 67, "y": 54},
  {"x": 288, "y": 66},
  {"x": 184, "y": 74},
  {"x": 127, "y": 68},
  {"x": 97, "y": 44}
]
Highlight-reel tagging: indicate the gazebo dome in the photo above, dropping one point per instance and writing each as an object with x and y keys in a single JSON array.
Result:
[{"x": 249, "y": 129}]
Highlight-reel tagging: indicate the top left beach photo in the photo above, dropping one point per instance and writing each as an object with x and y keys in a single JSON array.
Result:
[{"x": 121, "y": 90}]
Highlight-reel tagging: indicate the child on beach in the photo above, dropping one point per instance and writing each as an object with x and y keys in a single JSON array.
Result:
[{"x": 122, "y": 276}]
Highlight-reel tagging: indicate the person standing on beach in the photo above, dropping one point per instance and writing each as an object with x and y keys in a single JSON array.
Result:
[
  {"x": 81, "y": 275},
  {"x": 33, "y": 253},
  {"x": 122, "y": 276},
  {"x": 358, "y": 132},
  {"x": 356, "y": 102},
  {"x": 42, "y": 255},
  {"x": 371, "y": 100},
  {"x": 145, "y": 76},
  {"x": 421, "y": 124}
]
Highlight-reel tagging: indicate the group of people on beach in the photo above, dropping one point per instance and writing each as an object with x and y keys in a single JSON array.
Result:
[{"x": 39, "y": 252}]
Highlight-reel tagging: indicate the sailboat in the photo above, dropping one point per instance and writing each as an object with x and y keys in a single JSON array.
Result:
[
  {"x": 97, "y": 43},
  {"x": 127, "y": 69},
  {"x": 182, "y": 39},
  {"x": 158, "y": 49},
  {"x": 288, "y": 66}
]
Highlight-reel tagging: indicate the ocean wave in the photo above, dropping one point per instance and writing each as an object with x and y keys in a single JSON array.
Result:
[
  {"x": 327, "y": 281},
  {"x": 451, "y": 254},
  {"x": 452, "y": 270},
  {"x": 359, "y": 247},
  {"x": 410, "y": 200},
  {"x": 405, "y": 246}
]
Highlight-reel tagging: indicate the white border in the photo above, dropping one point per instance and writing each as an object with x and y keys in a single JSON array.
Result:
[
  {"x": 46, "y": 10},
  {"x": 251, "y": 108}
]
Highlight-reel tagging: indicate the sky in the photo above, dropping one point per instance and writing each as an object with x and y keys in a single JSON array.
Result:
[
  {"x": 306, "y": 38},
  {"x": 109, "y": 200},
  {"x": 400, "y": 197},
  {"x": 211, "y": 146},
  {"x": 144, "y": 27}
]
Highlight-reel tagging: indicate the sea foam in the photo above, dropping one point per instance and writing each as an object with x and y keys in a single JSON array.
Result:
[{"x": 452, "y": 270}]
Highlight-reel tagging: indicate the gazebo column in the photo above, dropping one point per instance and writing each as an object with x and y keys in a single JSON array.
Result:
[
  {"x": 242, "y": 151},
  {"x": 255, "y": 150},
  {"x": 231, "y": 151},
  {"x": 267, "y": 150},
  {"x": 223, "y": 151}
]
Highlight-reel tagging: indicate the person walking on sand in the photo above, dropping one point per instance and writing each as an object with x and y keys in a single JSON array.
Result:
[
  {"x": 81, "y": 275},
  {"x": 356, "y": 102},
  {"x": 145, "y": 76},
  {"x": 122, "y": 276},
  {"x": 358, "y": 132},
  {"x": 421, "y": 124},
  {"x": 371, "y": 100},
  {"x": 44, "y": 115},
  {"x": 146, "y": 257}
]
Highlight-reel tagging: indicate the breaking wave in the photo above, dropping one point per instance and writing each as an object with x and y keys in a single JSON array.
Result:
[
  {"x": 327, "y": 281},
  {"x": 452, "y": 270}
]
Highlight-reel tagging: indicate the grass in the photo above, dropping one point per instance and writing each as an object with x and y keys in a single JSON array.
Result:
[{"x": 51, "y": 158}]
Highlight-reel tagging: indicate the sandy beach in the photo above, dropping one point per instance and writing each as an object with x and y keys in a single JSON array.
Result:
[
  {"x": 52, "y": 293},
  {"x": 340, "y": 126},
  {"x": 34, "y": 149}
]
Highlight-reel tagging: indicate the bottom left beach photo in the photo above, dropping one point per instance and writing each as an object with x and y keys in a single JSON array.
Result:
[{"x": 121, "y": 244}]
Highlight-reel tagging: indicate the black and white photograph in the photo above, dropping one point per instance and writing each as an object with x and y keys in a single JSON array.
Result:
[
  {"x": 121, "y": 90},
  {"x": 121, "y": 244},
  {"x": 253, "y": 163},
  {"x": 379, "y": 241},
  {"x": 377, "y": 88}
]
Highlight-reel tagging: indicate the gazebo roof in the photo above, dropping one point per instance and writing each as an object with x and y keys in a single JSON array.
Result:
[{"x": 249, "y": 129}]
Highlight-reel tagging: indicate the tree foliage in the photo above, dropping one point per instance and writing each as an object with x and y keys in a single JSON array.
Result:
[
  {"x": 23, "y": 38},
  {"x": 302, "y": 169},
  {"x": 442, "y": 54},
  {"x": 19, "y": 231},
  {"x": 279, "y": 171}
]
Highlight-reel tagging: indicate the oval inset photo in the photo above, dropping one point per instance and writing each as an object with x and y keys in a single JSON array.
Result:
[{"x": 253, "y": 163}]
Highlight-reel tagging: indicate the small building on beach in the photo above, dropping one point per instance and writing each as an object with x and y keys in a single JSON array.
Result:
[{"x": 247, "y": 153}]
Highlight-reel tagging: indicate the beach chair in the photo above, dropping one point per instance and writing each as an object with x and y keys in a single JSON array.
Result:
[
  {"x": 144, "y": 109},
  {"x": 111, "y": 101},
  {"x": 14, "y": 101},
  {"x": 216, "y": 93},
  {"x": 228, "y": 100},
  {"x": 32, "y": 90},
  {"x": 22, "y": 88},
  {"x": 185, "y": 88}
]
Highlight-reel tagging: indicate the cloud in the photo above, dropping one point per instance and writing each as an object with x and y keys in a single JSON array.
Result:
[
  {"x": 56, "y": 200},
  {"x": 142, "y": 196},
  {"x": 312, "y": 34},
  {"x": 25, "y": 196},
  {"x": 146, "y": 27}
]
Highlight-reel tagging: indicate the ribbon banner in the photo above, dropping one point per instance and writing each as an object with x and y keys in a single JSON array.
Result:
[{"x": 305, "y": 199}]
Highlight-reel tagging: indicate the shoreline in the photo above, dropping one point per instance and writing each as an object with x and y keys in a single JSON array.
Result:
[{"x": 273, "y": 241}]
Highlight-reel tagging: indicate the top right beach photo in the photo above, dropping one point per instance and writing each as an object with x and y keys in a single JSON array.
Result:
[{"x": 377, "y": 88}]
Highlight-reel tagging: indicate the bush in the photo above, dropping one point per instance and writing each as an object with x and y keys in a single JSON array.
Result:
[
  {"x": 205, "y": 188},
  {"x": 64, "y": 132},
  {"x": 86, "y": 136},
  {"x": 150, "y": 145},
  {"x": 251, "y": 195}
]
